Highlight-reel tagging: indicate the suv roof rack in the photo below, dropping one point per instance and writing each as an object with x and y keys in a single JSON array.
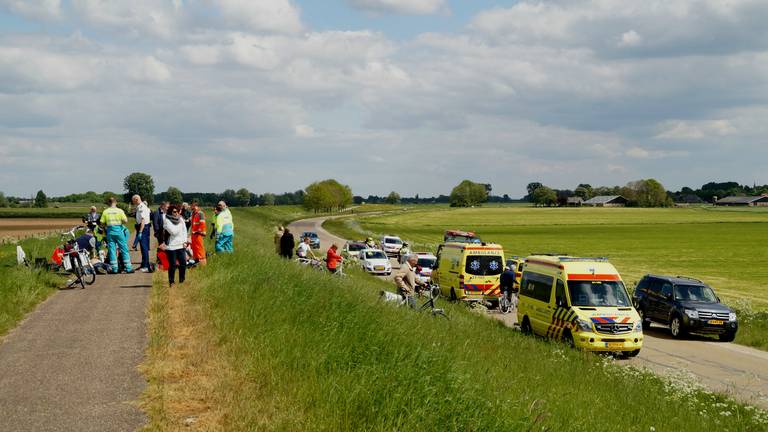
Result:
[{"x": 689, "y": 278}]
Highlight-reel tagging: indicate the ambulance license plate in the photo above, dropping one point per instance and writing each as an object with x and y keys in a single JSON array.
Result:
[
  {"x": 614, "y": 345},
  {"x": 715, "y": 322}
]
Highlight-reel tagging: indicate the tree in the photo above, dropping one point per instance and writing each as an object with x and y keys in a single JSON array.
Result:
[
  {"x": 139, "y": 184},
  {"x": 584, "y": 191},
  {"x": 531, "y": 188},
  {"x": 393, "y": 198},
  {"x": 544, "y": 196},
  {"x": 468, "y": 193},
  {"x": 3, "y": 200},
  {"x": 41, "y": 201},
  {"x": 173, "y": 195},
  {"x": 229, "y": 196},
  {"x": 327, "y": 195},
  {"x": 242, "y": 197},
  {"x": 268, "y": 199}
]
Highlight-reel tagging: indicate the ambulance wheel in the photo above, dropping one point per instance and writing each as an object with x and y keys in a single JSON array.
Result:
[
  {"x": 568, "y": 339},
  {"x": 453, "y": 295},
  {"x": 525, "y": 326},
  {"x": 676, "y": 327}
]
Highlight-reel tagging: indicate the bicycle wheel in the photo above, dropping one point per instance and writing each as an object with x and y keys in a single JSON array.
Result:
[
  {"x": 77, "y": 269},
  {"x": 90, "y": 274},
  {"x": 505, "y": 306}
]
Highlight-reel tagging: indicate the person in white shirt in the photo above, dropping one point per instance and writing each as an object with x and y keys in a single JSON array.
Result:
[
  {"x": 175, "y": 245},
  {"x": 305, "y": 250},
  {"x": 142, "y": 231}
]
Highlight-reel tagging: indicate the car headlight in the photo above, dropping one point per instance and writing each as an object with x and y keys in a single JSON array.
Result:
[
  {"x": 583, "y": 325},
  {"x": 639, "y": 326},
  {"x": 692, "y": 314},
  {"x": 732, "y": 316}
]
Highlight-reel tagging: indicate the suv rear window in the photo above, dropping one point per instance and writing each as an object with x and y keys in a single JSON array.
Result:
[{"x": 484, "y": 265}]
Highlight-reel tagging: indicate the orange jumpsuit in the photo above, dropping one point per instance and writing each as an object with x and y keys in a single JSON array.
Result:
[{"x": 197, "y": 228}]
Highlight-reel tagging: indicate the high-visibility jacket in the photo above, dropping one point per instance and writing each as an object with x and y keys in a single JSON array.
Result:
[
  {"x": 113, "y": 216},
  {"x": 224, "y": 223},
  {"x": 197, "y": 223}
]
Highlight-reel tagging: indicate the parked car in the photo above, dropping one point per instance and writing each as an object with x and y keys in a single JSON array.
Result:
[
  {"x": 375, "y": 261},
  {"x": 352, "y": 249},
  {"x": 391, "y": 245},
  {"x": 314, "y": 240},
  {"x": 684, "y": 304},
  {"x": 425, "y": 265}
]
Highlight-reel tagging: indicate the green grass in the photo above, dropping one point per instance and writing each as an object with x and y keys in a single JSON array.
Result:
[
  {"x": 321, "y": 353},
  {"x": 22, "y": 288},
  {"x": 68, "y": 212}
]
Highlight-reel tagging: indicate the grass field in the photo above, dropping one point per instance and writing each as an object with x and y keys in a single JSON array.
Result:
[
  {"x": 303, "y": 350},
  {"x": 69, "y": 211},
  {"x": 724, "y": 247}
]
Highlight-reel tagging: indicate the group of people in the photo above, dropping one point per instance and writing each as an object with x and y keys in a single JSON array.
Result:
[
  {"x": 179, "y": 230},
  {"x": 285, "y": 244}
]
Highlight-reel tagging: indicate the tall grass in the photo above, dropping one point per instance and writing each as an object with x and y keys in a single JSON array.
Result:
[
  {"x": 317, "y": 352},
  {"x": 22, "y": 288}
]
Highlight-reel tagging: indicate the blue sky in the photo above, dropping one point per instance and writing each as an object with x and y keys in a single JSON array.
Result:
[{"x": 405, "y": 95}]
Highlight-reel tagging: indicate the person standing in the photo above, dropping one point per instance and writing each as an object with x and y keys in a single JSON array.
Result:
[
  {"x": 143, "y": 224},
  {"x": 175, "y": 245},
  {"x": 225, "y": 228},
  {"x": 91, "y": 220},
  {"x": 197, "y": 233},
  {"x": 305, "y": 250},
  {"x": 186, "y": 214},
  {"x": 333, "y": 259},
  {"x": 406, "y": 280},
  {"x": 158, "y": 222},
  {"x": 287, "y": 243},
  {"x": 278, "y": 236},
  {"x": 113, "y": 219}
]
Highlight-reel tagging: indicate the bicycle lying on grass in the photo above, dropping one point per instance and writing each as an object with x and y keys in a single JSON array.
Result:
[
  {"x": 431, "y": 292},
  {"x": 319, "y": 265}
]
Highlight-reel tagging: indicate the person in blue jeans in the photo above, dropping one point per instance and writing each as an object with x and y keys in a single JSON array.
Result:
[{"x": 143, "y": 225}]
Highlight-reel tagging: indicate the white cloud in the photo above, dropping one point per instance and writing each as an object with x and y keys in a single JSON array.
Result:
[
  {"x": 643, "y": 153},
  {"x": 35, "y": 9},
  {"x": 135, "y": 18},
  {"x": 279, "y": 16},
  {"x": 695, "y": 130},
  {"x": 305, "y": 131},
  {"x": 149, "y": 69},
  {"x": 630, "y": 39},
  {"x": 404, "y": 7}
]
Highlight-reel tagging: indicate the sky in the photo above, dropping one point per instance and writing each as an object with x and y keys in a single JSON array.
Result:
[{"x": 405, "y": 95}]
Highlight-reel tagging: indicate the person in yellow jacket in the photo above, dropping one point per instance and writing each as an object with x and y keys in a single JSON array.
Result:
[
  {"x": 225, "y": 228},
  {"x": 112, "y": 219}
]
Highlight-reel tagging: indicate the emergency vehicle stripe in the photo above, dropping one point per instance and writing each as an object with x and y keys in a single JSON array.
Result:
[{"x": 593, "y": 277}]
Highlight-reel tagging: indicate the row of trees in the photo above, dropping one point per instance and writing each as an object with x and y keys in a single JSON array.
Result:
[{"x": 639, "y": 193}]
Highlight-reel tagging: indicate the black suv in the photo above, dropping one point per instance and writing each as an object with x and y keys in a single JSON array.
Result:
[{"x": 686, "y": 305}]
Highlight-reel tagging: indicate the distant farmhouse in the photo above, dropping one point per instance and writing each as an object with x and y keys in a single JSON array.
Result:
[
  {"x": 574, "y": 201},
  {"x": 607, "y": 201},
  {"x": 745, "y": 201},
  {"x": 689, "y": 199}
]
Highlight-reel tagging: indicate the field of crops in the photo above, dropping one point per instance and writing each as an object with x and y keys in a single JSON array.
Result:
[{"x": 724, "y": 247}]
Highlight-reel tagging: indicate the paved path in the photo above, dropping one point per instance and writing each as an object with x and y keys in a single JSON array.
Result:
[
  {"x": 737, "y": 370},
  {"x": 71, "y": 365}
]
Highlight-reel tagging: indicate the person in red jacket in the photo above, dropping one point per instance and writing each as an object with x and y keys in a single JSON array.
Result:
[{"x": 333, "y": 259}]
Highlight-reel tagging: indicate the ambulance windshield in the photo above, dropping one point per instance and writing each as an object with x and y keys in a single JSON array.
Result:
[{"x": 598, "y": 293}]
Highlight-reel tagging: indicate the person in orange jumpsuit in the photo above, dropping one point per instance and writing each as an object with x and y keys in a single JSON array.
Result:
[{"x": 197, "y": 233}]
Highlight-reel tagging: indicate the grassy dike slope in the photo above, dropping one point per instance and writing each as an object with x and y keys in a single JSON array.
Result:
[{"x": 299, "y": 350}]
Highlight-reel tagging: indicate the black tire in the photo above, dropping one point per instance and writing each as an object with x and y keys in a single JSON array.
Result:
[
  {"x": 727, "y": 336},
  {"x": 646, "y": 322},
  {"x": 453, "y": 295},
  {"x": 90, "y": 274},
  {"x": 632, "y": 353},
  {"x": 77, "y": 269},
  {"x": 505, "y": 306},
  {"x": 568, "y": 339},
  {"x": 525, "y": 326},
  {"x": 676, "y": 327}
]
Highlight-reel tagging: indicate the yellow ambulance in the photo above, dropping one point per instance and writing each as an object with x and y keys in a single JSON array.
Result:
[
  {"x": 469, "y": 271},
  {"x": 582, "y": 301}
]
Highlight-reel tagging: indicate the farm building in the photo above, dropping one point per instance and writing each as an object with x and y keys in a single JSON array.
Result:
[
  {"x": 574, "y": 201},
  {"x": 607, "y": 201},
  {"x": 747, "y": 201},
  {"x": 688, "y": 200}
]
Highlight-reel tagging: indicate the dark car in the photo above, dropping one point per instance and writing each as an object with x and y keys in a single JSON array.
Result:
[
  {"x": 686, "y": 305},
  {"x": 314, "y": 240}
]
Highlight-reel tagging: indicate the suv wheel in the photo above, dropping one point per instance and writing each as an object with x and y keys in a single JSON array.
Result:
[
  {"x": 676, "y": 327},
  {"x": 646, "y": 321},
  {"x": 727, "y": 336}
]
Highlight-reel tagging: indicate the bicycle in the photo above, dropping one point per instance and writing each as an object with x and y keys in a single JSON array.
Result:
[
  {"x": 507, "y": 302},
  {"x": 76, "y": 260},
  {"x": 432, "y": 292}
]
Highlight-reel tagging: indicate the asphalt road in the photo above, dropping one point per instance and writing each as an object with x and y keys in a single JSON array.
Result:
[
  {"x": 71, "y": 365},
  {"x": 729, "y": 368}
]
